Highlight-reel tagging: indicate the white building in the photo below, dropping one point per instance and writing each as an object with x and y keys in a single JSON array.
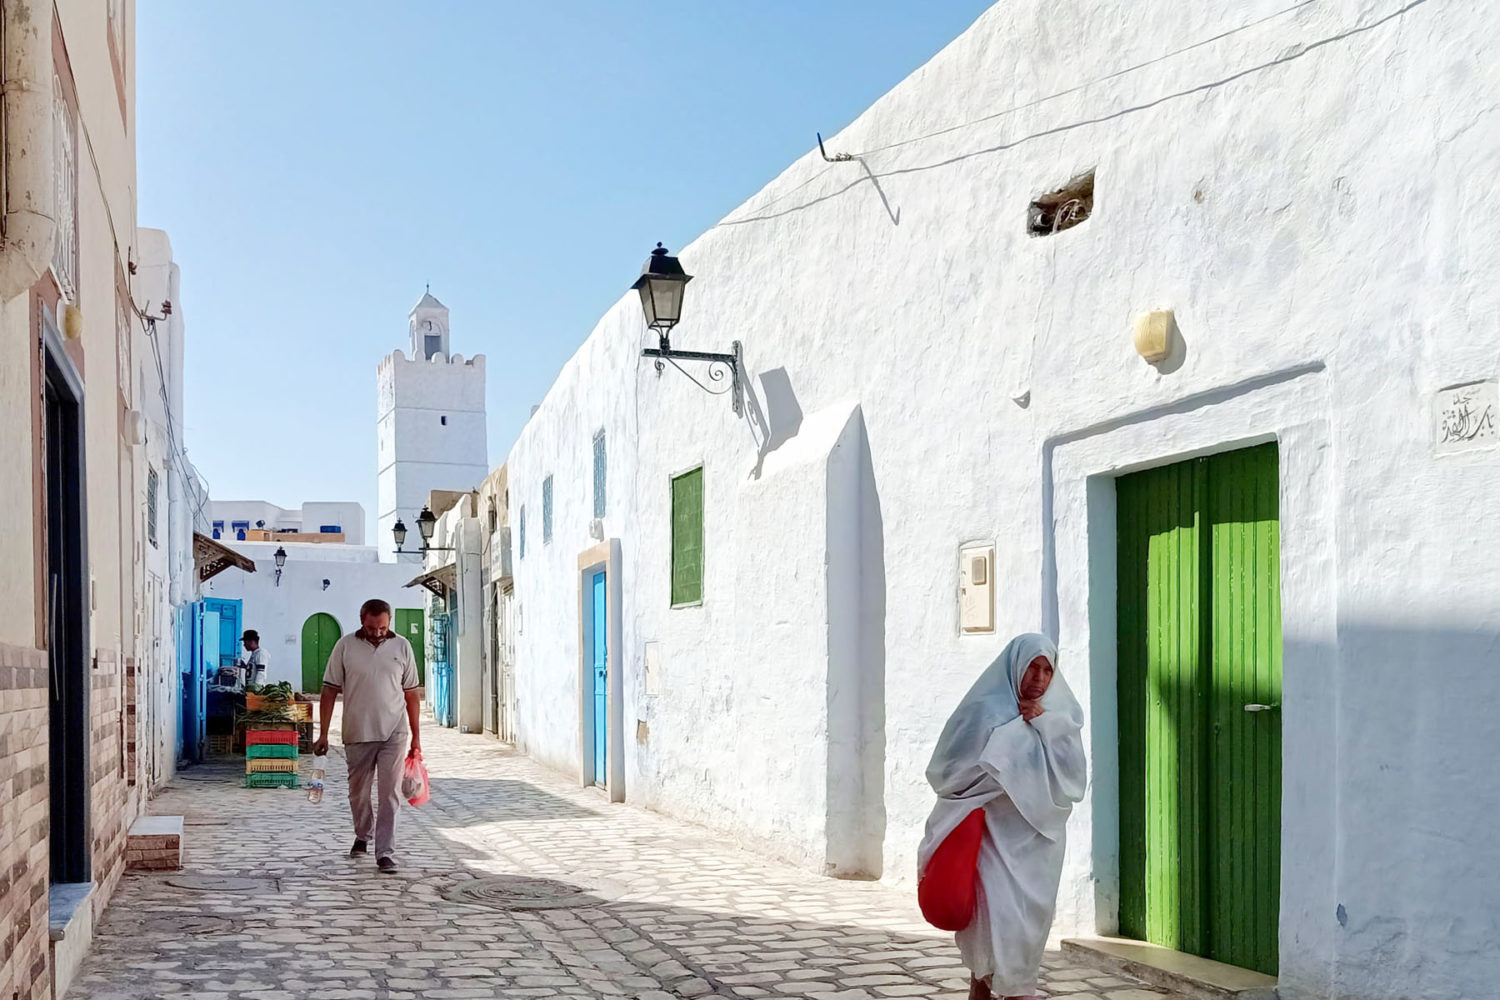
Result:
[
  {"x": 952, "y": 436},
  {"x": 233, "y": 520},
  {"x": 172, "y": 502},
  {"x": 314, "y": 599},
  {"x": 431, "y": 424}
]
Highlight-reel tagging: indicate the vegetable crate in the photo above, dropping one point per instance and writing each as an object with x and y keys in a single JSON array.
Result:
[
  {"x": 271, "y": 751},
  {"x": 270, "y": 780},
  {"x": 270, "y": 765}
]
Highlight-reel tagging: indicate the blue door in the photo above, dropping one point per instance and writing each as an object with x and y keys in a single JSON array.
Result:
[
  {"x": 229, "y": 612},
  {"x": 194, "y": 686},
  {"x": 441, "y": 693},
  {"x": 601, "y": 679}
]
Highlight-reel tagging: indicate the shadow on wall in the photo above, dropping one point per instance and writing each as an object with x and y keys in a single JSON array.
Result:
[
  {"x": 778, "y": 416},
  {"x": 1389, "y": 868}
]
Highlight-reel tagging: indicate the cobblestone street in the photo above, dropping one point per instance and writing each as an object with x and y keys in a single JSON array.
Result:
[{"x": 651, "y": 908}]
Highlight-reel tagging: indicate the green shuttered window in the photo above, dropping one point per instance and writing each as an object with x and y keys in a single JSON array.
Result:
[{"x": 687, "y": 538}]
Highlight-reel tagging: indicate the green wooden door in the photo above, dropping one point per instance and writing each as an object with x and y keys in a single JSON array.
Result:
[
  {"x": 409, "y": 623},
  {"x": 1199, "y": 615},
  {"x": 319, "y": 633}
]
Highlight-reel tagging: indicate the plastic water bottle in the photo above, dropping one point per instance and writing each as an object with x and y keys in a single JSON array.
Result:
[{"x": 315, "y": 785}]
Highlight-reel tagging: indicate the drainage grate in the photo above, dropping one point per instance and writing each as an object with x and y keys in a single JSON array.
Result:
[{"x": 520, "y": 892}]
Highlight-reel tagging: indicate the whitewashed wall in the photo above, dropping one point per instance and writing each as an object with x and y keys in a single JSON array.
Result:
[
  {"x": 1310, "y": 195},
  {"x": 354, "y": 575}
]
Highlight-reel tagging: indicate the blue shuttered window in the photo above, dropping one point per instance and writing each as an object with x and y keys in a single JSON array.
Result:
[
  {"x": 547, "y": 511},
  {"x": 600, "y": 465}
]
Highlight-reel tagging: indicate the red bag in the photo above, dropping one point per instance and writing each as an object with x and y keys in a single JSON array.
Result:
[
  {"x": 414, "y": 780},
  {"x": 945, "y": 892}
]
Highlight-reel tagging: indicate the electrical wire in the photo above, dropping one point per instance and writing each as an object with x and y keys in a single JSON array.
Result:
[
  {"x": 1090, "y": 83},
  {"x": 759, "y": 209}
]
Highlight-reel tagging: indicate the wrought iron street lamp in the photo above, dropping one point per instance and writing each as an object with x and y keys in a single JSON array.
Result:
[
  {"x": 426, "y": 525},
  {"x": 661, "y": 286},
  {"x": 280, "y": 557}
]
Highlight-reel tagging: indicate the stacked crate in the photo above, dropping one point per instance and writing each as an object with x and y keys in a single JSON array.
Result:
[{"x": 271, "y": 758}]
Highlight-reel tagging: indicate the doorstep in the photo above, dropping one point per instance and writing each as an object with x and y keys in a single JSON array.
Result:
[
  {"x": 1189, "y": 975},
  {"x": 70, "y": 918}
]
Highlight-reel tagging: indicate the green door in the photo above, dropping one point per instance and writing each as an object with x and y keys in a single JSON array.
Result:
[
  {"x": 409, "y": 623},
  {"x": 319, "y": 633},
  {"x": 1199, "y": 613}
]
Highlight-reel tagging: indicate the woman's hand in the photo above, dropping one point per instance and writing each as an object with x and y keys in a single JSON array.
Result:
[{"x": 1030, "y": 708}]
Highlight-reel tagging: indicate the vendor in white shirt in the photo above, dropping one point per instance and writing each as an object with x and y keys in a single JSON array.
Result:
[{"x": 254, "y": 660}]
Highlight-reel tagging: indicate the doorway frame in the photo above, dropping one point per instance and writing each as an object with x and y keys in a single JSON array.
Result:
[
  {"x": 71, "y": 743},
  {"x": 1080, "y": 467},
  {"x": 604, "y": 557}
]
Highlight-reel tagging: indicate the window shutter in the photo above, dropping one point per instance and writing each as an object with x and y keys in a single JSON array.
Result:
[{"x": 687, "y": 538}]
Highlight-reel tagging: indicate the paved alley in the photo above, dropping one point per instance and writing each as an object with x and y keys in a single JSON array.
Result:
[{"x": 602, "y": 901}]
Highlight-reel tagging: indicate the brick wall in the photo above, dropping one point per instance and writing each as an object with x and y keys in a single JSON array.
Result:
[
  {"x": 114, "y": 803},
  {"x": 23, "y": 818}
]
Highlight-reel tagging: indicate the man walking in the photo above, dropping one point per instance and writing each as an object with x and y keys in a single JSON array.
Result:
[{"x": 376, "y": 672}]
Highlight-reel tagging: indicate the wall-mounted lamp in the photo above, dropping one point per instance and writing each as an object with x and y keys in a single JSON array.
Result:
[
  {"x": 325, "y": 583},
  {"x": 661, "y": 287},
  {"x": 280, "y": 557}
]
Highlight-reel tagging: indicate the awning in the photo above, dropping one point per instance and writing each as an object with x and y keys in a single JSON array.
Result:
[
  {"x": 440, "y": 581},
  {"x": 210, "y": 558}
]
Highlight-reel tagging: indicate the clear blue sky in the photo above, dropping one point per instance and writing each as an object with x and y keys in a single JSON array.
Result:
[{"x": 315, "y": 164}]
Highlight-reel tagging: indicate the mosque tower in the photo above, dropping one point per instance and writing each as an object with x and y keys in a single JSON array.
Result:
[{"x": 430, "y": 426}]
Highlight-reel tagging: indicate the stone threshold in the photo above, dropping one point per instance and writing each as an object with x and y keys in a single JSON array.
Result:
[
  {"x": 1189, "y": 975},
  {"x": 66, "y": 902}
]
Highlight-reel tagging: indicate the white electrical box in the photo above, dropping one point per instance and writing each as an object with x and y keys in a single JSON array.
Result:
[{"x": 976, "y": 588}]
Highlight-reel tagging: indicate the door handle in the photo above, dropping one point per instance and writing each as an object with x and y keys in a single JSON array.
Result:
[{"x": 1273, "y": 707}]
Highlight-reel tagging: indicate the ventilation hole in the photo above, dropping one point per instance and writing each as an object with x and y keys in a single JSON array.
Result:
[
  {"x": 1062, "y": 209},
  {"x": 444, "y": 419}
]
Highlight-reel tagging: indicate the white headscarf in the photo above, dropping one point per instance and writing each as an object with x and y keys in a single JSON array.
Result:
[{"x": 1045, "y": 774}]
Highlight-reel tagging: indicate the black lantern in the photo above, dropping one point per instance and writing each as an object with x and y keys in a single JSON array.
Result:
[
  {"x": 426, "y": 522},
  {"x": 280, "y": 557},
  {"x": 661, "y": 285},
  {"x": 399, "y": 531}
]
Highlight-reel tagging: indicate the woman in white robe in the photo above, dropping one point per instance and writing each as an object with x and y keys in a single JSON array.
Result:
[{"x": 1014, "y": 748}]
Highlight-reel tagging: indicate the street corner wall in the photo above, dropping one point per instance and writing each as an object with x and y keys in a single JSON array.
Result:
[{"x": 24, "y": 802}]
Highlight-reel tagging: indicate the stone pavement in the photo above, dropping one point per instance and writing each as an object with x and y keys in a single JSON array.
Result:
[{"x": 617, "y": 902}]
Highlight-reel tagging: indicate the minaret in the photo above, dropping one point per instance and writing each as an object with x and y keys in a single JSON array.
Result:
[{"x": 430, "y": 426}]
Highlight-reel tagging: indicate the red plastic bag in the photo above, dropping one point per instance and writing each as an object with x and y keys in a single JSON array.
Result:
[
  {"x": 945, "y": 891},
  {"x": 414, "y": 785}
]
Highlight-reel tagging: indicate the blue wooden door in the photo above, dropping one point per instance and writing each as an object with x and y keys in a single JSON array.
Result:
[
  {"x": 195, "y": 687},
  {"x": 230, "y": 613},
  {"x": 441, "y": 693},
  {"x": 601, "y": 679}
]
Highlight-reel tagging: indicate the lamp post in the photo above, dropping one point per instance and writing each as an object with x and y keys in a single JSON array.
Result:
[
  {"x": 280, "y": 557},
  {"x": 661, "y": 287}
]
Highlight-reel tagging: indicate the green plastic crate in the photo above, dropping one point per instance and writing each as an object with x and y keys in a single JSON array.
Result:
[
  {"x": 271, "y": 780},
  {"x": 258, "y": 750}
]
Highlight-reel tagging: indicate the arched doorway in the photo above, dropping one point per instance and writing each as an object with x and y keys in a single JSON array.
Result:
[{"x": 319, "y": 633}]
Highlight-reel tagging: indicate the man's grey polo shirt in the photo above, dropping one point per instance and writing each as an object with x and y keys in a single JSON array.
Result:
[{"x": 374, "y": 679}]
